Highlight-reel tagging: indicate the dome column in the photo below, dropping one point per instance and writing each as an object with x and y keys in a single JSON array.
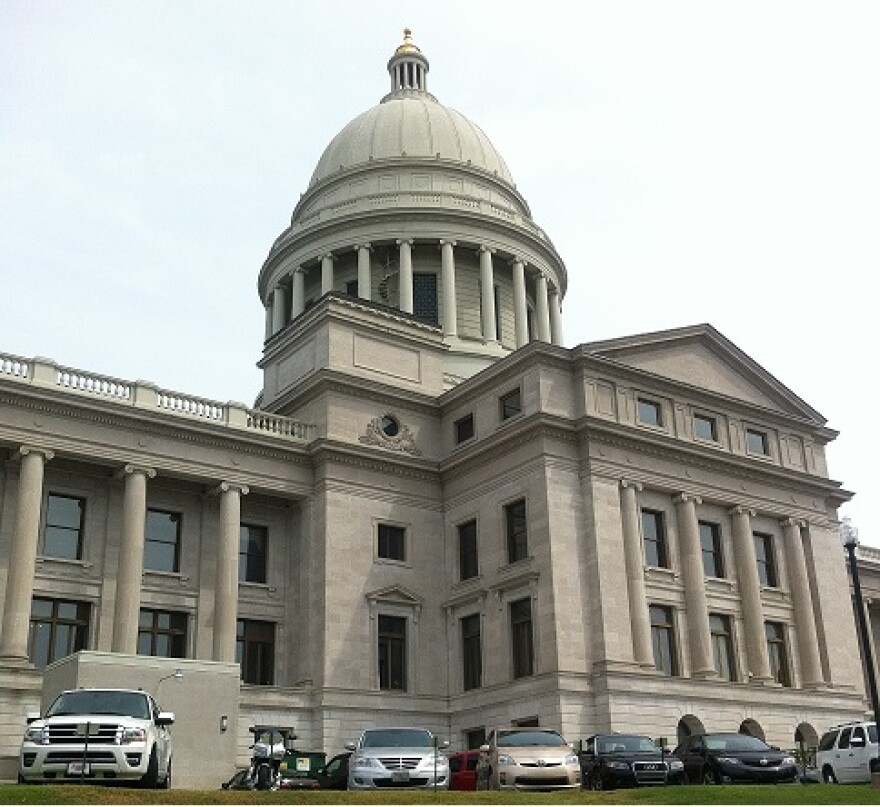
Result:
[
  {"x": 447, "y": 286},
  {"x": 277, "y": 309},
  {"x": 542, "y": 307},
  {"x": 364, "y": 275},
  {"x": 298, "y": 295},
  {"x": 487, "y": 295},
  {"x": 555, "y": 318},
  {"x": 327, "y": 273},
  {"x": 406, "y": 275},
  {"x": 267, "y": 307},
  {"x": 520, "y": 310}
]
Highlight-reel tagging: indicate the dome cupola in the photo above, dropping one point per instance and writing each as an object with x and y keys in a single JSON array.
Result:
[{"x": 408, "y": 68}]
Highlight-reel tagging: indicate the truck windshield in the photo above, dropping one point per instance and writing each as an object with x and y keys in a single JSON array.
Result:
[{"x": 101, "y": 702}]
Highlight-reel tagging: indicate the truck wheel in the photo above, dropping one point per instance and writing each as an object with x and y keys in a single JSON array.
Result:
[
  {"x": 828, "y": 775},
  {"x": 151, "y": 778},
  {"x": 166, "y": 782},
  {"x": 596, "y": 781}
]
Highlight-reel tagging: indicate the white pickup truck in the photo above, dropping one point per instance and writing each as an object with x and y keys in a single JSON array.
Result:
[{"x": 99, "y": 735}]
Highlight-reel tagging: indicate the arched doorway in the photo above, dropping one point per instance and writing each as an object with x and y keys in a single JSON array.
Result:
[
  {"x": 806, "y": 740},
  {"x": 687, "y": 725},
  {"x": 752, "y": 728}
]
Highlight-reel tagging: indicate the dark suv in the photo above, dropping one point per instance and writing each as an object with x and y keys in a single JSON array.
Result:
[{"x": 627, "y": 760}]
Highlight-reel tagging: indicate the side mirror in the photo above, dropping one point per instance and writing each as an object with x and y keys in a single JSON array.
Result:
[
  {"x": 165, "y": 719},
  {"x": 350, "y": 746},
  {"x": 484, "y": 748},
  {"x": 31, "y": 717}
]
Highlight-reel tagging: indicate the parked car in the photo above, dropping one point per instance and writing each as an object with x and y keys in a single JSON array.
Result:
[
  {"x": 845, "y": 753},
  {"x": 714, "y": 759},
  {"x": 616, "y": 760},
  {"x": 463, "y": 770},
  {"x": 398, "y": 758},
  {"x": 334, "y": 775},
  {"x": 99, "y": 735},
  {"x": 527, "y": 759}
]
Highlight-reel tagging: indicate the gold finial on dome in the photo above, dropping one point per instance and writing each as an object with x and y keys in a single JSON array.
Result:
[{"x": 408, "y": 45}]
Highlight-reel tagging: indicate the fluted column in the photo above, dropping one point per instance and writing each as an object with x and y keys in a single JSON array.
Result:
[
  {"x": 699, "y": 637},
  {"x": 447, "y": 286},
  {"x": 750, "y": 594},
  {"x": 555, "y": 318},
  {"x": 542, "y": 308},
  {"x": 643, "y": 652},
  {"x": 802, "y": 603},
  {"x": 520, "y": 309},
  {"x": 226, "y": 588},
  {"x": 364, "y": 276},
  {"x": 277, "y": 309},
  {"x": 327, "y": 273},
  {"x": 298, "y": 294},
  {"x": 131, "y": 559},
  {"x": 406, "y": 274},
  {"x": 23, "y": 555},
  {"x": 487, "y": 295}
]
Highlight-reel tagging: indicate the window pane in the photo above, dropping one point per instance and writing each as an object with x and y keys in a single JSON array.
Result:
[
  {"x": 62, "y": 537},
  {"x": 467, "y": 550},
  {"x": 650, "y": 412},
  {"x": 705, "y": 428},
  {"x": 471, "y": 652},
  {"x": 756, "y": 442},
  {"x": 162, "y": 541},
  {"x": 57, "y": 629},
  {"x": 392, "y": 652},
  {"x": 252, "y": 554},
  {"x": 663, "y": 639},
  {"x": 425, "y": 298},
  {"x": 521, "y": 637},
  {"x": 511, "y": 404},
  {"x": 391, "y": 542},
  {"x": 464, "y": 429},
  {"x": 517, "y": 533},
  {"x": 710, "y": 543},
  {"x": 654, "y": 534}
]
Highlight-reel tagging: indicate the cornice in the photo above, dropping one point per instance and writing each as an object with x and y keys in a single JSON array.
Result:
[{"x": 330, "y": 452}]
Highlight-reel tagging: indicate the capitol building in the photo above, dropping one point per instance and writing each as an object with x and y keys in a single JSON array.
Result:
[{"x": 434, "y": 512}]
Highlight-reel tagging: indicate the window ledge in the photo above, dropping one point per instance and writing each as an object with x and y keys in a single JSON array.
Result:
[
  {"x": 392, "y": 562},
  {"x": 70, "y": 562},
  {"x": 180, "y": 578}
]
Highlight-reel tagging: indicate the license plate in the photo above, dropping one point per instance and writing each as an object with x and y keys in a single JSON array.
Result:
[
  {"x": 399, "y": 776},
  {"x": 78, "y": 768}
]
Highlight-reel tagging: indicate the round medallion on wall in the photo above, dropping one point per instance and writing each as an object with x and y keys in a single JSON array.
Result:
[{"x": 389, "y": 425}]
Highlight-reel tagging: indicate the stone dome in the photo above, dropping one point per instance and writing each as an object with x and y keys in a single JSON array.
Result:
[{"x": 410, "y": 124}]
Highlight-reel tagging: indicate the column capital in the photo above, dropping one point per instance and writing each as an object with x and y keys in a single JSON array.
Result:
[
  {"x": 444, "y": 242},
  {"x": 687, "y": 498},
  {"x": 791, "y": 521},
  {"x": 300, "y": 270},
  {"x": 484, "y": 248},
  {"x": 129, "y": 468},
  {"x": 365, "y": 245},
  {"x": 328, "y": 256},
  {"x": 742, "y": 510},
  {"x": 520, "y": 260},
  {"x": 401, "y": 241},
  {"x": 628, "y": 483},
  {"x": 226, "y": 487},
  {"x": 47, "y": 453}
]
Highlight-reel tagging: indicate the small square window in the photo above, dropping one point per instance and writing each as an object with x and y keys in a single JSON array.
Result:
[
  {"x": 464, "y": 428},
  {"x": 705, "y": 428},
  {"x": 757, "y": 442},
  {"x": 650, "y": 412},
  {"x": 392, "y": 542},
  {"x": 511, "y": 404}
]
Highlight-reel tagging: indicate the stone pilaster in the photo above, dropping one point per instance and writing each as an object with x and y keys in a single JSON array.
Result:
[
  {"x": 487, "y": 295},
  {"x": 406, "y": 274}
]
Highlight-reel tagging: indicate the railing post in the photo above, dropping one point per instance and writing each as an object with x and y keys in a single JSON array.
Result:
[
  {"x": 236, "y": 415},
  {"x": 45, "y": 371},
  {"x": 145, "y": 394}
]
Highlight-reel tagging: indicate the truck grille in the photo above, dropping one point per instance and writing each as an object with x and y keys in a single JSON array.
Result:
[
  {"x": 63, "y": 757},
  {"x": 75, "y": 733}
]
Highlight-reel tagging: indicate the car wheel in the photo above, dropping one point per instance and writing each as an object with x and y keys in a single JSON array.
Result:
[
  {"x": 263, "y": 777},
  {"x": 596, "y": 781},
  {"x": 710, "y": 777},
  {"x": 828, "y": 775},
  {"x": 166, "y": 782},
  {"x": 151, "y": 778}
]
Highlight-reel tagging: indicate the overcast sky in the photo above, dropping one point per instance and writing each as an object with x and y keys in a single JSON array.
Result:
[{"x": 692, "y": 162}]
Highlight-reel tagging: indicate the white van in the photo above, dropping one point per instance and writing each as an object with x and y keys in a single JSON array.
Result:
[{"x": 845, "y": 752}]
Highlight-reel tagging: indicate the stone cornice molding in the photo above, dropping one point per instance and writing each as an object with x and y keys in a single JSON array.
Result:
[{"x": 333, "y": 452}]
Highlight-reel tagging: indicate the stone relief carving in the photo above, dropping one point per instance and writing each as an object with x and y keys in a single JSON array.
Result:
[{"x": 402, "y": 441}]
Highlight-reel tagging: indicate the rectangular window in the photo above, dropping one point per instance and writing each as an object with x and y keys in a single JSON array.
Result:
[
  {"x": 663, "y": 639},
  {"x": 255, "y": 651},
  {"x": 57, "y": 629},
  {"x": 351, "y": 288},
  {"x": 654, "y": 536},
  {"x": 425, "y": 298},
  {"x": 710, "y": 543},
  {"x": 464, "y": 428},
  {"x": 392, "y": 542},
  {"x": 162, "y": 541},
  {"x": 471, "y": 652},
  {"x": 497, "y": 292},
  {"x": 63, "y": 533},
  {"x": 757, "y": 442},
  {"x": 766, "y": 559},
  {"x": 392, "y": 652},
  {"x": 522, "y": 641},
  {"x": 517, "y": 531},
  {"x": 252, "y": 554},
  {"x": 722, "y": 646},
  {"x": 650, "y": 412},
  {"x": 468, "y": 565},
  {"x": 776, "y": 651},
  {"x": 705, "y": 428},
  {"x": 474, "y": 738},
  {"x": 161, "y": 633},
  {"x": 511, "y": 404}
]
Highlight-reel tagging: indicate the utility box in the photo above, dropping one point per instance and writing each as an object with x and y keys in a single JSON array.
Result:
[{"x": 202, "y": 694}]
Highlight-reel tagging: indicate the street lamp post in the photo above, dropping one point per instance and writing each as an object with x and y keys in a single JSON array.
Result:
[
  {"x": 177, "y": 674},
  {"x": 850, "y": 537}
]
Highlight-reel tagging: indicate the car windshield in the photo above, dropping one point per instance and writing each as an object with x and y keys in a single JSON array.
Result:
[
  {"x": 519, "y": 738},
  {"x": 101, "y": 702},
  {"x": 735, "y": 742},
  {"x": 626, "y": 744},
  {"x": 397, "y": 738}
]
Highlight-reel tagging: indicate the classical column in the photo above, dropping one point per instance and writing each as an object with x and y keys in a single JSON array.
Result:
[
  {"x": 268, "y": 309},
  {"x": 555, "y": 318},
  {"x": 23, "y": 555},
  {"x": 226, "y": 588},
  {"x": 447, "y": 286},
  {"x": 406, "y": 274},
  {"x": 364, "y": 278},
  {"x": 487, "y": 295},
  {"x": 131, "y": 559},
  {"x": 690, "y": 550},
  {"x": 542, "y": 307},
  {"x": 277, "y": 309},
  {"x": 750, "y": 594},
  {"x": 327, "y": 273},
  {"x": 520, "y": 310},
  {"x": 802, "y": 603},
  {"x": 643, "y": 651},
  {"x": 298, "y": 294}
]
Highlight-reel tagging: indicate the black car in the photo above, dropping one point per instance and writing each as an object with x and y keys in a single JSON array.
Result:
[
  {"x": 714, "y": 759},
  {"x": 627, "y": 760}
]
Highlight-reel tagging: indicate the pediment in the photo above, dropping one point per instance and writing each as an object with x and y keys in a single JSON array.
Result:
[
  {"x": 398, "y": 595},
  {"x": 702, "y": 357}
]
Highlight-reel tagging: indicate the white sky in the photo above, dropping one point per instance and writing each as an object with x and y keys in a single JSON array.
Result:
[{"x": 692, "y": 161}]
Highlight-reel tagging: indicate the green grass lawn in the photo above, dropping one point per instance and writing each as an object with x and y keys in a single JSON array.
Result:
[{"x": 724, "y": 794}]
